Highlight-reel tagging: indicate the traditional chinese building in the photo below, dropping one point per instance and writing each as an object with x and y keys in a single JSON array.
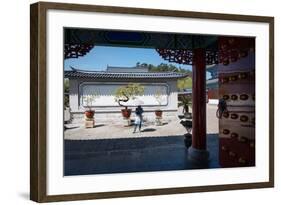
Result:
[
  {"x": 103, "y": 84},
  {"x": 234, "y": 57}
]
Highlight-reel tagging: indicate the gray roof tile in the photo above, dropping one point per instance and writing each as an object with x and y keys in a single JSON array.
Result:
[{"x": 122, "y": 75}]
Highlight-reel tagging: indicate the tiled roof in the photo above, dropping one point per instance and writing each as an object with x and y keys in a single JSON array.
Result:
[{"x": 122, "y": 75}]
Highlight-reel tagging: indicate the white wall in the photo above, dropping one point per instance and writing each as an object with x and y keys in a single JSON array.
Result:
[
  {"x": 106, "y": 94},
  {"x": 106, "y": 101},
  {"x": 14, "y": 103}
]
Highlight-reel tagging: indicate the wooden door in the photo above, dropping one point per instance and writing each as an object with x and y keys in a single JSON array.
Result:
[{"x": 236, "y": 73}]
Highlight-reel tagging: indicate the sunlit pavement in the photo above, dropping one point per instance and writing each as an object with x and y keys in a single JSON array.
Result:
[{"x": 116, "y": 131}]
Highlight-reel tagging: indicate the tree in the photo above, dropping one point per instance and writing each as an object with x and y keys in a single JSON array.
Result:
[
  {"x": 163, "y": 67},
  {"x": 184, "y": 83},
  {"x": 127, "y": 92},
  {"x": 144, "y": 65},
  {"x": 88, "y": 100},
  {"x": 185, "y": 101}
]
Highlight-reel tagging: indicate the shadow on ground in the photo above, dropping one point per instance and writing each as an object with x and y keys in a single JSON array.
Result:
[
  {"x": 99, "y": 125},
  {"x": 82, "y": 157},
  {"x": 148, "y": 130}
]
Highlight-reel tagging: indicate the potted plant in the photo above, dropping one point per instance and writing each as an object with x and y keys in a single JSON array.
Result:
[
  {"x": 125, "y": 93},
  {"x": 159, "y": 98},
  {"x": 88, "y": 101},
  {"x": 187, "y": 136},
  {"x": 185, "y": 101}
]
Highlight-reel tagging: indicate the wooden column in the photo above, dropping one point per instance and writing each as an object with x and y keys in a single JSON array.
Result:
[
  {"x": 197, "y": 152},
  {"x": 199, "y": 100}
]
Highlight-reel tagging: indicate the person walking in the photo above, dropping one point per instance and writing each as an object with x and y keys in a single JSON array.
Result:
[{"x": 138, "y": 118}]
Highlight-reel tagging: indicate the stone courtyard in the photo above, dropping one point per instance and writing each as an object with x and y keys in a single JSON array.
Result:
[
  {"x": 113, "y": 148},
  {"x": 114, "y": 131},
  {"x": 149, "y": 129}
]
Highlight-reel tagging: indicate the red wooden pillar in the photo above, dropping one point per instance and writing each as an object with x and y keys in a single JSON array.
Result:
[
  {"x": 197, "y": 151},
  {"x": 199, "y": 100}
]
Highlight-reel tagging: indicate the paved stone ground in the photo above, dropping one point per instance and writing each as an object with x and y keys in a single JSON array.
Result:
[
  {"x": 113, "y": 131},
  {"x": 212, "y": 120},
  {"x": 104, "y": 156},
  {"x": 157, "y": 148}
]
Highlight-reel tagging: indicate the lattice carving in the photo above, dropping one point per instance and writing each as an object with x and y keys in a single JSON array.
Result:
[
  {"x": 230, "y": 50},
  {"x": 76, "y": 50},
  {"x": 181, "y": 56}
]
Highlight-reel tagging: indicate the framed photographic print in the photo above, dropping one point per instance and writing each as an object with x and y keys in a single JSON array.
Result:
[{"x": 135, "y": 102}]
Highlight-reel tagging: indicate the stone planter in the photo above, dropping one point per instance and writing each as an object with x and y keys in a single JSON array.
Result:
[
  {"x": 126, "y": 113},
  {"x": 188, "y": 115},
  {"x": 89, "y": 113},
  {"x": 158, "y": 113}
]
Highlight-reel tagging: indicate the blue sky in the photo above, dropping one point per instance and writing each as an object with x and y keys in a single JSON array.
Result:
[{"x": 101, "y": 56}]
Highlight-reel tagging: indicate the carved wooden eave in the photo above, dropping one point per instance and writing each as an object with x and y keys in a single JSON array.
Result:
[{"x": 173, "y": 47}]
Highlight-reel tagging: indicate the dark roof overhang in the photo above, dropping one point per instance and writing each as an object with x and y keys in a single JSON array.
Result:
[{"x": 86, "y": 74}]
